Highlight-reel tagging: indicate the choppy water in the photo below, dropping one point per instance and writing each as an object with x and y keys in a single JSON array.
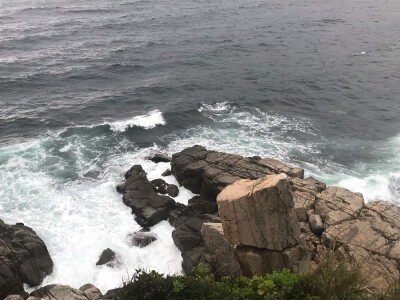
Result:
[{"x": 88, "y": 88}]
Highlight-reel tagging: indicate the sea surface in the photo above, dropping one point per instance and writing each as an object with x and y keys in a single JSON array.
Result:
[{"x": 89, "y": 88}]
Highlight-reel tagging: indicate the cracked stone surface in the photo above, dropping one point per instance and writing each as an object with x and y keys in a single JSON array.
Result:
[
  {"x": 63, "y": 292},
  {"x": 259, "y": 213}
]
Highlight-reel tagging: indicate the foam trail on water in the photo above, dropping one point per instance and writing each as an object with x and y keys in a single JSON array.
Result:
[{"x": 147, "y": 121}]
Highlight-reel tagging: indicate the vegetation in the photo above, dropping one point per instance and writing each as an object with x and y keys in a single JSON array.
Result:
[{"x": 331, "y": 280}]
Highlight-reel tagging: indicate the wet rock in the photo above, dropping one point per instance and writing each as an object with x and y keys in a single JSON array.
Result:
[
  {"x": 166, "y": 173},
  {"x": 121, "y": 188},
  {"x": 141, "y": 239},
  {"x": 108, "y": 258},
  {"x": 208, "y": 172},
  {"x": 173, "y": 190},
  {"x": 259, "y": 213},
  {"x": 159, "y": 157},
  {"x": 24, "y": 258},
  {"x": 149, "y": 207}
]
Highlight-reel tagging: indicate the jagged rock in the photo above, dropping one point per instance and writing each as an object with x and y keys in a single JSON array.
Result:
[
  {"x": 159, "y": 157},
  {"x": 222, "y": 253},
  {"x": 149, "y": 207},
  {"x": 304, "y": 191},
  {"x": 24, "y": 258},
  {"x": 277, "y": 167},
  {"x": 256, "y": 261},
  {"x": 259, "y": 213},
  {"x": 141, "y": 239},
  {"x": 316, "y": 224},
  {"x": 337, "y": 204},
  {"x": 185, "y": 239},
  {"x": 108, "y": 258},
  {"x": 377, "y": 230},
  {"x": 92, "y": 292},
  {"x": 173, "y": 190},
  {"x": 166, "y": 173},
  {"x": 160, "y": 186},
  {"x": 208, "y": 172},
  {"x": 65, "y": 292}
]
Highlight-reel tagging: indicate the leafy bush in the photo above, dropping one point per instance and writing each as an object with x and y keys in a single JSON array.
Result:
[{"x": 332, "y": 280}]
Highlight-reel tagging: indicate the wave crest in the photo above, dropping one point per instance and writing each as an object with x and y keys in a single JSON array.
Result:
[{"x": 146, "y": 121}]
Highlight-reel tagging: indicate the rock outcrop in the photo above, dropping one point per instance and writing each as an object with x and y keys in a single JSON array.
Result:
[
  {"x": 207, "y": 172},
  {"x": 24, "y": 258},
  {"x": 64, "y": 292},
  {"x": 327, "y": 218},
  {"x": 139, "y": 194}
]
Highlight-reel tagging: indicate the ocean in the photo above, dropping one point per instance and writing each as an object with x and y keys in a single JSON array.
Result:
[{"x": 90, "y": 88}]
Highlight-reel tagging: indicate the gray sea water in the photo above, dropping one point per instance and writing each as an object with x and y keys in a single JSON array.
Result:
[{"x": 89, "y": 88}]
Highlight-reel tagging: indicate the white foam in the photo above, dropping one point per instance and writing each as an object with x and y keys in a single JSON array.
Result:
[
  {"x": 80, "y": 218},
  {"x": 146, "y": 121}
]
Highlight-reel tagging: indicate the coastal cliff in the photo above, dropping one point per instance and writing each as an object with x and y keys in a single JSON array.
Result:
[{"x": 250, "y": 216}]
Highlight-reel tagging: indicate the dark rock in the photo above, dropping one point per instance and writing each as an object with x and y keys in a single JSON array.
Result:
[
  {"x": 158, "y": 182},
  {"x": 121, "y": 188},
  {"x": 108, "y": 258},
  {"x": 185, "y": 239},
  {"x": 166, "y": 173},
  {"x": 149, "y": 207},
  {"x": 208, "y": 172},
  {"x": 109, "y": 295},
  {"x": 141, "y": 239},
  {"x": 24, "y": 258},
  {"x": 158, "y": 157},
  {"x": 191, "y": 259},
  {"x": 173, "y": 190}
]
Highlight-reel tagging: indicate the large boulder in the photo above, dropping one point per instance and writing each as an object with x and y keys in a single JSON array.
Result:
[
  {"x": 139, "y": 194},
  {"x": 24, "y": 258},
  {"x": 259, "y": 213},
  {"x": 209, "y": 172},
  {"x": 65, "y": 292}
]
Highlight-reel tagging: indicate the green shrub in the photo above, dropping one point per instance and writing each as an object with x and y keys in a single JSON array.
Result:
[{"x": 333, "y": 279}]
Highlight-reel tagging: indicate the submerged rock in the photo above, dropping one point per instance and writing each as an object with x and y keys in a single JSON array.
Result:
[
  {"x": 141, "y": 239},
  {"x": 159, "y": 157},
  {"x": 24, "y": 258}
]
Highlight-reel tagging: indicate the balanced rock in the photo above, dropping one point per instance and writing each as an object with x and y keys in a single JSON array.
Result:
[
  {"x": 149, "y": 207},
  {"x": 259, "y": 213},
  {"x": 24, "y": 258}
]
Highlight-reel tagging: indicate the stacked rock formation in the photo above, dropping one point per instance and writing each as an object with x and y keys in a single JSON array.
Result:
[{"x": 258, "y": 216}]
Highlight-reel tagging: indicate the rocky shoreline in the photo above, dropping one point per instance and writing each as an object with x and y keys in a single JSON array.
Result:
[{"x": 250, "y": 216}]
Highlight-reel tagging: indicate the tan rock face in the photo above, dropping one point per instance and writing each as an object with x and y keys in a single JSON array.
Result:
[
  {"x": 337, "y": 204},
  {"x": 259, "y": 213},
  {"x": 222, "y": 252}
]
